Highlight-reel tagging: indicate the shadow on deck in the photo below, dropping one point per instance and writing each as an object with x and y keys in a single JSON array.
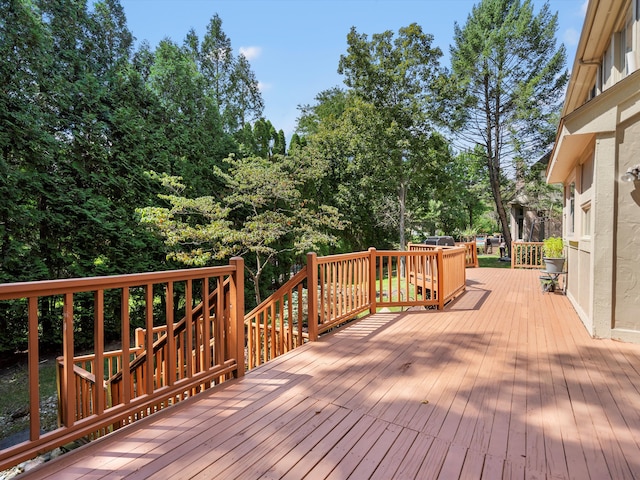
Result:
[{"x": 506, "y": 383}]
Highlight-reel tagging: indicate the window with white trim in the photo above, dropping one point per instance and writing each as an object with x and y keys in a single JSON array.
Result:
[{"x": 586, "y": 219}]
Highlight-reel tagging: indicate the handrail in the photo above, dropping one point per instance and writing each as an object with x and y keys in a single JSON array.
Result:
[
  {"x": 471, "y": 250},
  {"x": 526, "y": 255},
  {"x": 454, "y": 278},
  {"x": 100, "y": 415},
  {"x": 209, "y": 348},
  {"x": 161, "y": 342},
  {"x": 276, "y": 325},
  {"x": 342, "y": 289},
  {"x": 85, "y": 391},
  {"x": 471, "y": 253}
]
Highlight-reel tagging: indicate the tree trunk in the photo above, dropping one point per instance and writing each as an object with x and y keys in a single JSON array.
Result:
[
  {"x": 493, "y": 156},
  {"x": 402, "y": 203},
  {"x": 502, "y": 214},
  {"x": 256, "y": 287}
]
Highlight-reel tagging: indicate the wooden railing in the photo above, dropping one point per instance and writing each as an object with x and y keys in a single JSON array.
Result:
[
  {"x": 454, "y": 275},
  {"x": 277, "y": 325},
  {"x": 84, "y": 406},
  {"x": 198, "y": 343},
  {"x": 101, "y": 391},
  {"x": 342, "y": 286},
  {"x": 471, "y": 251},
  {"x": 333, "y": 290},
  {"x": 85, "y": 382},
  {"x": 526, "y": 255}
]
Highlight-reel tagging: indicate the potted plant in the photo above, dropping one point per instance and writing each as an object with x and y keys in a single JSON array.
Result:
[{"x": 553, "y": 254}]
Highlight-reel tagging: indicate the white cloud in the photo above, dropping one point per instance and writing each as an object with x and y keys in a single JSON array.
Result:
[
  {"x": 263, "y": 87},
  {"x": 251, "y": 53},
  {"x": 571, "y": 37}
]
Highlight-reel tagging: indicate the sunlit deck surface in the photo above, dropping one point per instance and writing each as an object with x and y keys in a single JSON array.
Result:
[{"x": 505, "y": 383}]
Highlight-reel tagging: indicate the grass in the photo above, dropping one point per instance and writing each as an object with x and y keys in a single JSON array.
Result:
[
  {"x": 14, "y": 398},
  {"x": 492, "y": 261}
]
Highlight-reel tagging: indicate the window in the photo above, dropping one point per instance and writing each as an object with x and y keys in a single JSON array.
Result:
[
  {"x": 586, "y": 219},
  {"x": 628, "y": 60},
  {"x": 570, "y": 208},
  {"x": 607, "y": 66}
]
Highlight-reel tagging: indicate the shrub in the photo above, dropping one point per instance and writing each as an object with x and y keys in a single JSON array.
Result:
[{"x": 553, "y": 247}]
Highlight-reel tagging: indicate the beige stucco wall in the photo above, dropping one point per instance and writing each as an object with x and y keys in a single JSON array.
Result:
[
  {"x": 602, "y": 240},
  {"x": 627, "y": 241}
]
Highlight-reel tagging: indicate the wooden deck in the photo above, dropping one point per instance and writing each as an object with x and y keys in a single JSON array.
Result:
[{"x": 506, "y": 383}]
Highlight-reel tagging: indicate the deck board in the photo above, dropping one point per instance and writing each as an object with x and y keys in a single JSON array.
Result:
[{"x": 505, "y": 383}]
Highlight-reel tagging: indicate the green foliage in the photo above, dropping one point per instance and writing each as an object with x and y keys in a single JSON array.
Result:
[
  {"x": 378, "y": 136},
  {"x": 81, "y": 120},
  {"x": 492, "y": 261},
  {"x": 507, "y": 85},
  {"x": 14, "y": 397},
  {"x": 263, "y": 217},
  {"x": 553, "y": 247}
]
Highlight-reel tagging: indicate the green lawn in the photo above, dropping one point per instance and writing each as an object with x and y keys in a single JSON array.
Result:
[{"x": 492, "y": 261}]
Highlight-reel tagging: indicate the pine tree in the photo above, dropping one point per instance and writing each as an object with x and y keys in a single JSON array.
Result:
[{"x": 511, "y": 80}]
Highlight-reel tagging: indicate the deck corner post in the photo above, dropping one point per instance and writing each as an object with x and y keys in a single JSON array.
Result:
[
  {"x": 312, "y": 296},
  {"x": 236, "y": 322},
  {"x": 372, "y": 281},
  {"x": 441, "y": 292}
]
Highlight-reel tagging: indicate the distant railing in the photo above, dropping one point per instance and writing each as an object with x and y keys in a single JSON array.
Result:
[
  {"x": 84, "y": 381},
  {"x": 471, "y": 251},
  {"x": 342, "y": 283},
  {"x": 335, "y": 289},
  {"x": 526, "y": 255}
]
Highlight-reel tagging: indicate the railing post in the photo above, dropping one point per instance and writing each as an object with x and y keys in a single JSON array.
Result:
[
  {"x": 139, "y": 337},
  {"x": 373, "y": 299},
  {"x": 236, "y": 322},
  {"x": 312, "y": 296},
  {"x": 514, "y": 248},
  {"x": 440, "y": 263},
  {"x": 33, "y": 352},
  {"x": 69, "y": 407}
]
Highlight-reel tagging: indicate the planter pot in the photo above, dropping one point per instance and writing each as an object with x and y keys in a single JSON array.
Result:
[{"x": 554, "y": 265}]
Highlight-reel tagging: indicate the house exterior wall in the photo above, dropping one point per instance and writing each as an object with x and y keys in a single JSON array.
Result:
[
  {"x": 602, "y": 229},
  {"x": 598, "y": 141},
  {"x": 602, "y": 240},
  {"x": 534, "y": 228},
  {"x": 627, "y": 243},
  {"x": 578, "y": 195}
]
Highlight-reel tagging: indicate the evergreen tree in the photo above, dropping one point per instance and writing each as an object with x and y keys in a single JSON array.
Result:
[
  {"x": 229, "y": 82},
  {"x": 511, "y": 80},
  {"x": 196, "y": 141}
]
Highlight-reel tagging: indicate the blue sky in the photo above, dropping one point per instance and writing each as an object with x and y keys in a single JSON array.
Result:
[{"x": 294, "y": 45}]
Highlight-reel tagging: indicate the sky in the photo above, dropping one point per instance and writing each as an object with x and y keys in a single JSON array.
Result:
[{"x": 294, "y": 46}]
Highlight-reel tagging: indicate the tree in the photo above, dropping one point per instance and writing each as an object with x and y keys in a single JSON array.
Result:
[
  {"x": 511, "y": 82},
  {"x": 229, "y": 81},
  {"x": 195, "y": 141},
  {"x": 395, "y": 78},
  {"x": 263, "y": 216},
  {"x": 245, "y": 102}
]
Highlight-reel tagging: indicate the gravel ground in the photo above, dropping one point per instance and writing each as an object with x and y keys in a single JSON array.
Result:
[{"x": 14, "y": 428}]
